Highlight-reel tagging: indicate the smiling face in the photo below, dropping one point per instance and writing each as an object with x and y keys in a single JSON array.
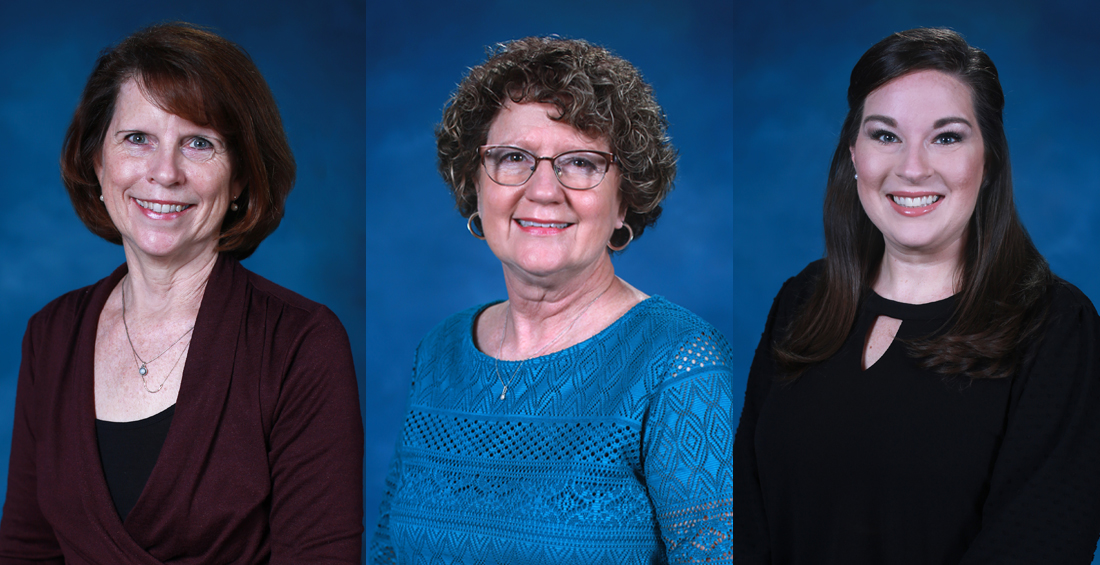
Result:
[
  {"x": 541, "y": 228},
  {"x": 920, "y": 159},
  {"x": 165, "y": 181}
]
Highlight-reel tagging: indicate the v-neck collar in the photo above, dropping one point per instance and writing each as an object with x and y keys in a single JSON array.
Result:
[{"x": 203, "y": 391}]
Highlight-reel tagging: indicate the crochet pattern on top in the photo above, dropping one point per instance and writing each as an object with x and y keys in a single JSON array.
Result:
[{"x": 616, "y": 450}]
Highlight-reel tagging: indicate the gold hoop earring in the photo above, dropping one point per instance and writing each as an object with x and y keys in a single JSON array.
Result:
[
  {"x": 470, "y": 227},
  {"x": 628, "y": 240}
]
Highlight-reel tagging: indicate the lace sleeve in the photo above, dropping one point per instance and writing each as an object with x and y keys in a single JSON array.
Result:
[
  {"x": 381, "y": 547},
  {"x": 688, "y": 452}
]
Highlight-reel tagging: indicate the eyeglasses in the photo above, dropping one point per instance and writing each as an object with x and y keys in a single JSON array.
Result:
[{"x": 512, "y": 166}]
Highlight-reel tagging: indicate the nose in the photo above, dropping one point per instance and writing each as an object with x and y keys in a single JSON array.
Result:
[
  {"x": 544, "y": 186},
  {"x": 164, "y": 168},
  {"x": 914, "y": 167}
]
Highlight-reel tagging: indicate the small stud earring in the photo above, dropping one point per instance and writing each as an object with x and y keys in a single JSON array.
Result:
[
  {"x": 101, "y": 198},
  {"x": 857, "y": 176},
  {"x": 234, "y": 207}
]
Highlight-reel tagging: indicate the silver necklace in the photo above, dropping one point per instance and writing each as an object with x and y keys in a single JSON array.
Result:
[
  {"x": 142, "y": 369},
  {"x": 500, "y": 348}
]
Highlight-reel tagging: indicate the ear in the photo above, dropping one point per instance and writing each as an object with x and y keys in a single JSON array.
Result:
[
  {"x": 621, "y": 219},
  {"x": 97, "y": 165},
  {"x": 235, "y": 190}
]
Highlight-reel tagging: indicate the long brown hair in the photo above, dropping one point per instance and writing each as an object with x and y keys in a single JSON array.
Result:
[{"x": 1004, "y": 278}]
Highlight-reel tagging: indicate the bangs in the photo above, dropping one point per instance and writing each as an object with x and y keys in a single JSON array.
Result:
[{"x": 177, "y": 93}]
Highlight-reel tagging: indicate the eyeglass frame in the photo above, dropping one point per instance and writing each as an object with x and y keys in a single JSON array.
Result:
[{"x": 611, "y": 160}]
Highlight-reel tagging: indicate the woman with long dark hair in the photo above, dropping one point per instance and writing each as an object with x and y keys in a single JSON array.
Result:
[{"x": 928, "y": 392}]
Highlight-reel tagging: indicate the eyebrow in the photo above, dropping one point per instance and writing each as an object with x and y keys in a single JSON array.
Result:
[
  {"x": 939, "y": 123},
  {"x": 952, "y": 120},
  {"x": 877, "y": 118}
]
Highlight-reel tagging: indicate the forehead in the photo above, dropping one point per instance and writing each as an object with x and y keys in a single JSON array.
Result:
[
  {"x": 532, "y": 125},
  {"x": 131, "y": 103},
  {"x": 923, "y": 96},
  {"x": 134, "y": 108}
]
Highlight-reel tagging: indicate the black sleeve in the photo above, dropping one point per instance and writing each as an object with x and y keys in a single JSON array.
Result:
[
  {"x": 1044, "y": 491},
  {"x": 750, "y": 534}
]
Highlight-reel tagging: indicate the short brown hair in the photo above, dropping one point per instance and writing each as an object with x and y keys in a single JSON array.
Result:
[
  {"x": 597, "y": 93},
  {"x": 208, "y": 81}
]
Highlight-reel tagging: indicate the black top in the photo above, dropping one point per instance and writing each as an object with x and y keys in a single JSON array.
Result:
[
  {"x": 128, "y": 451},
  {"x": 898, "y": 464}
]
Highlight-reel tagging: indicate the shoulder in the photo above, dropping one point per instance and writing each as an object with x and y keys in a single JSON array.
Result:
[
  {"x": 1070, "y": 320},
  {"x": 795, "y": 292},
  {"x": 1068, "y": 337},
  {"x": 661, "y": 318},
  {"x": 454, "y": 330},
  {"x": 291, "y": 307},
  {"x": 678, "y": 342},
  {"x": 1068, "y": 303},
  {"x": 802, "y": 284},
  {"x": 65, "y": 312}
]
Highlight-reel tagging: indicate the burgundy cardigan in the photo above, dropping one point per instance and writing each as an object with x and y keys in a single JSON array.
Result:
[{"x": 263, "y": 460}]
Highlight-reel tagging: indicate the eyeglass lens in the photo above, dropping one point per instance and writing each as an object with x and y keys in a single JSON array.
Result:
[{"x": 512, "y": 166}]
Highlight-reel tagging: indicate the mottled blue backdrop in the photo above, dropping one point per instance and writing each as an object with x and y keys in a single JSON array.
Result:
[{"x": 754, "y": 93}]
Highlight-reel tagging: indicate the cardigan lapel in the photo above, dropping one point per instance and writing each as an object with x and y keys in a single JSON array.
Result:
[
  {"x": 94, "y": 493},
  {"x": 204, "y": 386},
  {"x": 163, "y": 504}
]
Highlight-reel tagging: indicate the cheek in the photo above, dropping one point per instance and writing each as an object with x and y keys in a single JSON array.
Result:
[{"x": 969, "y": 175}]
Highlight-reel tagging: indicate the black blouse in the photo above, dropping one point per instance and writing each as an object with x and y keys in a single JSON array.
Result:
[
  {"x": 128, "y": 452},
  {"x": 897, "y": 464}
]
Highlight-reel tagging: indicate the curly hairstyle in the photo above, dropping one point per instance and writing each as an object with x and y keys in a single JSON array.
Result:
[
  {"x": 596, "y": 92},
  {"x": 1004, "y": 279},
  {"x": 208, "y": 81}
]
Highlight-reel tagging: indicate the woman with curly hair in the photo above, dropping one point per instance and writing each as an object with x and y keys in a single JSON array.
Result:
[
  {"x": 580, "y": 420},
  {"x": 928, "y": 392}
]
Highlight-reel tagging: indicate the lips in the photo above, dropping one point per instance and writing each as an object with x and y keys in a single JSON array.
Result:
[
  {"x": 161, "y": 208},
  {"x": 538, "y": 224},
  {"x": 915, "y": 204}
]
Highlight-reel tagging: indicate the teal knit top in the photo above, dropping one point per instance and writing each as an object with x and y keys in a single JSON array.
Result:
[{"x": 616, "y": 450}]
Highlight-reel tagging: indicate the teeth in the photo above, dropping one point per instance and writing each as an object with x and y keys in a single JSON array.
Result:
[
  {"x": 161, "y": 208},
  {"x": 528, "y": 224},
  {"x": 919, "y": 202}
]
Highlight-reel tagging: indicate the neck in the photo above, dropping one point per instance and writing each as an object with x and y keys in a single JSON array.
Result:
[
  {"x": 918, "y": 278},
  {"x": 157, "y": 288},
  {"x": 538, "y": 316}
]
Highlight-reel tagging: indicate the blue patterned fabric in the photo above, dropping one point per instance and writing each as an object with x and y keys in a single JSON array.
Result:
[{"x": 617, "y": 450}]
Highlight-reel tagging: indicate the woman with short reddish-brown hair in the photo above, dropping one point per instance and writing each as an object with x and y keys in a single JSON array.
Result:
[{"x": 182, "y": 409}]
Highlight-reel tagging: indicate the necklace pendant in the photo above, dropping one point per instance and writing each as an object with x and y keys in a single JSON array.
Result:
[
  {"x": 142, "y": 370},
  {"x": 503, "y": 392}
]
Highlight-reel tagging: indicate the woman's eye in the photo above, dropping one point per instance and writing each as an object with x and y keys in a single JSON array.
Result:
[
  {"x": 884, "y": 136},
  {"x": 200, "y": 143},
  {"x": 513, "y": 158},
  {"x": 948, "y": 138},
  {"x": 137, "y": 138},
  {"x": 580, "y": 163}
]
